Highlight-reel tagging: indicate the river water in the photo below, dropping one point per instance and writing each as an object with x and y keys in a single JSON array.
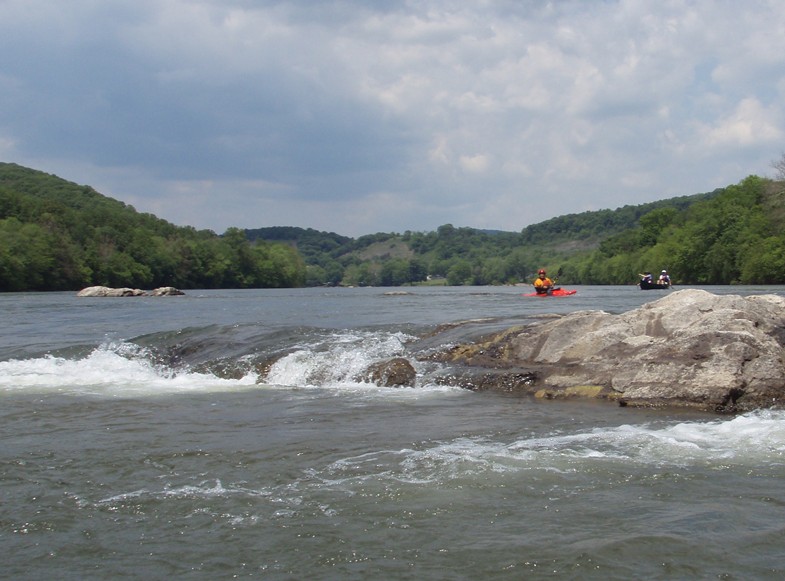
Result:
[{"x": 139, "y": 438}]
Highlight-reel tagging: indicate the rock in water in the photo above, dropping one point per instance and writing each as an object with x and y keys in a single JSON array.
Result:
[
  {"x": 691, "y": 348},
  {"x": 166, "y": 291},
  {"x": 105, "y": 291},
  {"x": 395, "y": 372}
]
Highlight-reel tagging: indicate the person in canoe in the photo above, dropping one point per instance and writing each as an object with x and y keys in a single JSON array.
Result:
[
  {"x": 646, "y": 278},
  {"x": 542, "y": 284},
  {"x": 664, "y": 279}
]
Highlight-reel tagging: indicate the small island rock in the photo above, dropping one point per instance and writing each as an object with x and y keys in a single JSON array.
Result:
[{"x": 105, "y": 291}]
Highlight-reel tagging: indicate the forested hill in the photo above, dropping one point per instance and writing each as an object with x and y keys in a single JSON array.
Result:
[
  {"x": 599, "y": 224},
  {"x": 737, "y": 235},
  {"x": 58, "y": 235},
  {"x": 731, "y": 235},
  {"x": 467, "y": 255}
]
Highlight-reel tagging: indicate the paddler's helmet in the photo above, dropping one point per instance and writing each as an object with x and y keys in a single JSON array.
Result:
[
  {"x": 541, "y": 271},
  {"x": 664, "y": 272}
]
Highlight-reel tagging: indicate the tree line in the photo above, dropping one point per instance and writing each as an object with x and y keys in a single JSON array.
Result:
[
  {"x": 735, "y": 237},
  {"x": 732, "y": 235},
  {"x": 57, "y": 235}
]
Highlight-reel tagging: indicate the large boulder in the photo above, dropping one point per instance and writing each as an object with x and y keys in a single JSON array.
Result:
[{"x": 691, "y": 348}]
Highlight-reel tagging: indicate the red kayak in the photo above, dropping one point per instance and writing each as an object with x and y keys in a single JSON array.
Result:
[{"x": 557, "y": 292}]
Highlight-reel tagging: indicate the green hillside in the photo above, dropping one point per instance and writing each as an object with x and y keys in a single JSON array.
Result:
[
  {"x": 728, "y": 236},
  {"x": 735, "y": 236},
  {"x": 464, "y": 255},
  {"x": 57, "y": 235}
]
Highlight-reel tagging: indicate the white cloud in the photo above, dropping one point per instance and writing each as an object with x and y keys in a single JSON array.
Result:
[
  {"x": 475, "y": 163},
  {"x": 7, "y": 147},
  {"x": 750, "y": 123},
  {"x": 360, "y": 117}
]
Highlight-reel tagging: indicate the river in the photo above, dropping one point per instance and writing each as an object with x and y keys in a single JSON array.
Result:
[{"x": 138, "y": 440}]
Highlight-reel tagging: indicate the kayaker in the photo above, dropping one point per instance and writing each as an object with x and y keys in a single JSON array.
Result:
[
  {"x": 542, "y": 284},
  {"x": 664, "y": 278}
]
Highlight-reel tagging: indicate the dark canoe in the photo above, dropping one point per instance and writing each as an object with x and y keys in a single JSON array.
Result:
[{"x": 653, "y": 285}]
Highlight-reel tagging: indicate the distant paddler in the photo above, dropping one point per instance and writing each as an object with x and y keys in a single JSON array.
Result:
[{"x": 542, "y": 284}]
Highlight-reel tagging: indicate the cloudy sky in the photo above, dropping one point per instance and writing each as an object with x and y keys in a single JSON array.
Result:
[{"x": 384, "y": 116}]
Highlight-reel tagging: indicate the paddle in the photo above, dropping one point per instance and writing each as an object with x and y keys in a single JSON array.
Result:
[{"x": 555, "y": 280}]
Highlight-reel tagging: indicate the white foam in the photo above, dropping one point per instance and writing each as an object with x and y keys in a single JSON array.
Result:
[
  {"x": 338, "y": 363},
  {"x": 203, "y": 490},
  {"x": 124, "y": 369},
  {"x": 752, "y": 440},
  {"x": 114, "y": 369}
]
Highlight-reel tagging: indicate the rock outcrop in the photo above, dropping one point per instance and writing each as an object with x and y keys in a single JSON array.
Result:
[
  {"x": 691, "y": 349},
  {"x": 395, "y": 372},
  {"x": 165, "y": 291},
  {"x": 105, "y": 291}
]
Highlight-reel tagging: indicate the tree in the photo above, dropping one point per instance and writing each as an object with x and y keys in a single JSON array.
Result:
[
  {"x": 394, "y": 272},
  {"x": 460, "y": 273},
  {"x": 779, "y": 167},
  {"x": 654, "y": 224},
  {"x": 56, "y": 235},
  {"x": 765, "y": 262},
  {"x": 418, "y": 272}
]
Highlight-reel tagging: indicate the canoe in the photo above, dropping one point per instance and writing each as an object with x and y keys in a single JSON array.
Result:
[
  {"x": 557, "y": 292},
  {"x": 653, "y": 285}
]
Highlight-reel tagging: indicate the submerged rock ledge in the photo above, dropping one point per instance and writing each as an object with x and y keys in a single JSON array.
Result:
[{"x": 692, "y": 348}]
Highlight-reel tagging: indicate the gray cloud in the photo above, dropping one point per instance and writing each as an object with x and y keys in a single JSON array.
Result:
[{"x": 358, "y": 117}]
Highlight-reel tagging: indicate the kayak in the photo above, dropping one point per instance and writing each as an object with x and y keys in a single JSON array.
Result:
[{"x": 557, "y": 292}]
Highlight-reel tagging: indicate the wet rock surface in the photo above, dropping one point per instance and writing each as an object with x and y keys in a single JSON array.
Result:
[
  {"x": 395, "y": 372},
  {"x": 692, "y": 348}
]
